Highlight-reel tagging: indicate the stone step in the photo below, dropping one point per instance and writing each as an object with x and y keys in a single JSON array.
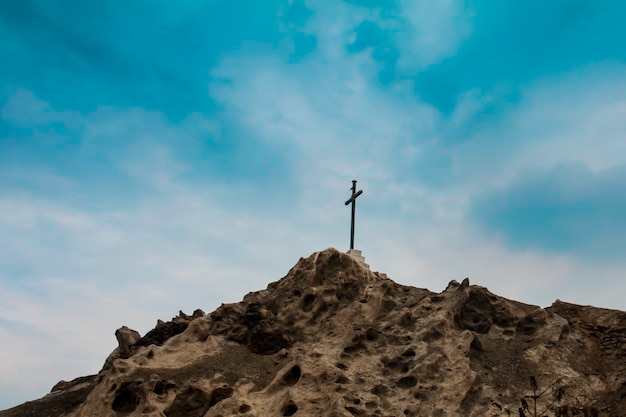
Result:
[{"x": 356, "y": 254}]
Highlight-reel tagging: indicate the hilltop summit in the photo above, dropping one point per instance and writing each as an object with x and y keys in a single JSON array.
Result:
[{"x": 333, "y": 338}]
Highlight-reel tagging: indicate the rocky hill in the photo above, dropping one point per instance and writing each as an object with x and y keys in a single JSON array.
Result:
[{"x": 333, "y": 338}]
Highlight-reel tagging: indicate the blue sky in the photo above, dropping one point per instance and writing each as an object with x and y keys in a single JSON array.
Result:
[{"x": 157, "y": 156}]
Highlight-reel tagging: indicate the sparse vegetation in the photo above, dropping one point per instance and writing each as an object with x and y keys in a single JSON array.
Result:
[{"x": 551, "y": 399}]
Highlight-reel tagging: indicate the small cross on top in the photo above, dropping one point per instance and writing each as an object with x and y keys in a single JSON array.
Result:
[{"x": 352, "y": 200}]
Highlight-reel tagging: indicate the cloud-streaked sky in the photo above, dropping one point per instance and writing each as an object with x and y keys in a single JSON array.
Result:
[{"x": 158, "y": 156}]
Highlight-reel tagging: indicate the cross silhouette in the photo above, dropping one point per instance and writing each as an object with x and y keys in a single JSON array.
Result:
[{"x": 352, "y": 200}]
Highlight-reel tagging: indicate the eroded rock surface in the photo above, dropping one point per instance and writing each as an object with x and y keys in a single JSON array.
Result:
[{"x": 333, "y": 338}]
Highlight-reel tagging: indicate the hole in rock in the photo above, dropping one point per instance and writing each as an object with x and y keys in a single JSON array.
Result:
[
  {"x": 266, "y": 341},
  {"x": 321, "y": 309},
  {"x": 244, "y": 408},
  {"x": 394, "y": 363},
  {"x": 476, "y": 344},
  {"x": 341, "y": 366},
  {"x": 372, "y": 334},
  {"x": 420, "y": 396},
  {"x": 407, "y": 382},
  {"x": 380, "y": 390},
  {"x": 307, "y": 302},
  {"x": 293, "y": 376},
  {"x": 406, "y": 320},
  {"x": 388, "y": 305},
  {"x": 220, "y": 394},
  {"x": 342, "y": 380},
  {"x": 432, "y": 335},
  {"x": 161, "y": 387},
  {"x": 355, "y": 411},
  {"x": 354, "y": 348},
  {"x": 371, "y": 404},
  {"x": 296, "y": 293},
  {"x": 348, "y": 291},
  {"x": 253, "y": 313},
  {"x": 530, "y": 324},
  {"x": 290, "y": 408},
  {"x": 408, "y": 353},
  {"x": 192, "y": 402},
  {"x": 127, "y": 399}
]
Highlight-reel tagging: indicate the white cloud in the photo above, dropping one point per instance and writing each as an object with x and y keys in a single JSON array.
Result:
[
  {"x": 23, "y": 109},
  {"x": 580, "y": 117},
  {"x": 333, "y": 125},
  {"x": 433, "y": 31},
  {"x": 570, "y": 119},
  {"x": 424, "y": 32}
]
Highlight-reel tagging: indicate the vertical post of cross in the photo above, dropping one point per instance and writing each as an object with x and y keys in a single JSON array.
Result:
[
  {"x": 353, "y": 213},
  {"x": 352, "y": 200}
]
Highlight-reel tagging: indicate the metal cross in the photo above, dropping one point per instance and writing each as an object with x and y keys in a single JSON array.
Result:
[{"x": 352, "y": 200}]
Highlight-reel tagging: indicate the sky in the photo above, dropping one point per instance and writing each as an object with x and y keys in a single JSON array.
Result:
[{"x": 158, "y": 156}]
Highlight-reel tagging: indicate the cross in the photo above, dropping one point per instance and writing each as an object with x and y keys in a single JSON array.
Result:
[{"x": 352, "y": 200}]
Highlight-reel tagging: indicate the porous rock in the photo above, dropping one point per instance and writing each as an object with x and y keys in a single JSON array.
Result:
[
  {"x": 126, "y": 338},
  {"x": 333, "y": 338}
]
